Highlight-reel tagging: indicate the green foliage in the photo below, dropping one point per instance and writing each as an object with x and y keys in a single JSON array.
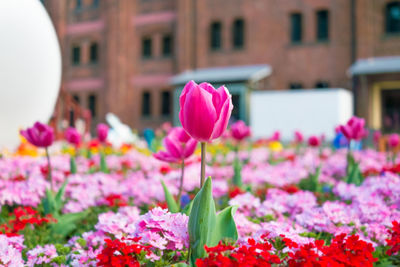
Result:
[
  {"x": 205, "y": 227},
  {"x": 312, "y": 182},
  {"x": 72, "y": 165},
  {"x": 354, "y": 175},
  {"x": 103, "y": 163},
  {"x": 237, "y": 170},
  {"x": 172, "y": 205}
]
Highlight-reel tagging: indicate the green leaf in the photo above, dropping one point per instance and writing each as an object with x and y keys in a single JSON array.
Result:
[
  {"x": 237, "y": 170},
  {"x": 66, "y": 223},
  {"x": 188, "y": 208},
  {"x": 354, "y": 175},
  {"x": 202, "y": 221},
  {"x": 48, "y": 202},
  {"x": 103, "y": 163},
  {"x": 225, "y": 227},
  {"x": 58, "y": 201},
  {"x": 72, "y": 165},
  {"x": 172, "y": 206}
]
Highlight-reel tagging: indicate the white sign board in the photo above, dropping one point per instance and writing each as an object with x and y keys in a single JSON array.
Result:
[{"x": 313, "y": 112}]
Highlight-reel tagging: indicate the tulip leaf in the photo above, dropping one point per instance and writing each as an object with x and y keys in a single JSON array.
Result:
[
  {"x": 225, "y": 227},
  {"x": 66, "y": 223},
  {"x": 354, "y": 175},
  {"x": 48, "y": 202},
  {"x": 172, "y": 205},
  {"x": 72, "y": 165},
  {"x": 58, "y": 200},
  {"x": 202, "y": 221},
  {"x": 188, "y": 208},
  {"x": 103, "y": 163}
]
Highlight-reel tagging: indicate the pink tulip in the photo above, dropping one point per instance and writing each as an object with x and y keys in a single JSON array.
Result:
[
  {"x": 314, "y": 141},
  {"x": 40, "y": 135},
  {"x": 102, "y": 132},
  {"x": 276, "y": 136},
  {"x": 354, "y": 129},
  {"x": 72, "y": 136},
  {"x": 205, "y": 111},
  {"x": 179, "y": 146},
  {"x": 298, "y": 137},
  {"x": 376, "y": 137},
  {"x": 393, "y": 140},
  {"x": 239, "y": 130}
]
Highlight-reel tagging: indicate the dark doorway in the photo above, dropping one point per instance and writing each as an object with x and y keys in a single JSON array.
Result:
[{"x": 390, "y": 110}]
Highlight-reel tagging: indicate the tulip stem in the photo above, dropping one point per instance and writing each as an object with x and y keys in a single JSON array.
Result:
[
  {"x": 203, "y": 164},
  {"x": 49, "y": 169},
  {"x": 181, "y": 184}
]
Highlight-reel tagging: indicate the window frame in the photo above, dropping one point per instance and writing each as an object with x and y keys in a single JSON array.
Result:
[
  {"x": 387, "y": 29},
  {"x": 76, "y": 48},
  {"x": 293, "y": 27},
  {"x": 150, "y": 43},
  {"x": 144, "y": 107},
  {"x": 215, "y": 37},
  {"x": 318, "y": 34},
  {"x": 238, "y": 34}
]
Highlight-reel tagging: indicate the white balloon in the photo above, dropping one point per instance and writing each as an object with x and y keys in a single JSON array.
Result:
[{"x": 30, "y": 67}]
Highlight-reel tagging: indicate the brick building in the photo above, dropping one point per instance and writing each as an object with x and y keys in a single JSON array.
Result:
[{"x": 128, "y": 56}]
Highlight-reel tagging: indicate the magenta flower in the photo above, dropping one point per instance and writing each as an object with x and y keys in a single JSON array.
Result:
[
  {"x": 72, "y": 136},
  {"x": 179, "y": 146},
  {"x": 205, "y": 111},
  {"x": 314, "y": 141},
  {"x": 354, "y": 129},
  {"x": 298, "y": 137},
  {"x": 376, "y": 137},
  {"x": 40, "y": 135},
  {"x": 393, "y": 140},
  {"x": 276, "y": 136},
  {"x": 239, "y": 130},
  {"x": 102, "y": 132}
]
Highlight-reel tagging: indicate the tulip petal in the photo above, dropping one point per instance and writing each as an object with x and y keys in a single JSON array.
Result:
[
  {"x": 190, "y": 147},
  {"x": 199, "y": 114},
  {"x": 173, "y": 147},
  {"x": 223, "y": 119},
  {"x": 165, "y": 156},
  {"x": 182, "y": 99}
]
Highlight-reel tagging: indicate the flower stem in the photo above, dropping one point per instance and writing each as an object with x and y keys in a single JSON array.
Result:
[
  {"x": 181, "y": 183},
  {"x": 203, "y": 164},
  {"x": 49, "y": 169}
]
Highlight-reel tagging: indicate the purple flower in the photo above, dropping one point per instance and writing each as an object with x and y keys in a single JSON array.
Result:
[
  {"x": 40, "y": 135},
  {"x": 102, "y": 132}
]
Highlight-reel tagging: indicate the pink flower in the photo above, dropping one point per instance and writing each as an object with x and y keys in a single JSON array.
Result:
[
  {"x": 376, "y": 137},
  {"x": 40, "y": 135},
  {"x": 102, "y": 132},
  {"x": 240, "y": 130},
  {"x": 179, "y": 146},
  {"x": 204, "y": 111},
  {"x": 72, "y": 136},
  {"x": 393, "y": 140},
  {"x": 314, "y": 141},
  {"x": 298, "y": 137},
  {"x": 354, "y": 129},
  {"x": 276, "y": 136}
]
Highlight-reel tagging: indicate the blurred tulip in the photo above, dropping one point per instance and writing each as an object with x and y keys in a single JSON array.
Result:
[
  {"x": 314, "y": 141},
  {"x": 72, "y": 136},
  {"x": 239, "y": 130},
  {"x": 102, "y": 132},
  {"x": 276, "y": 136},
  {"x": 205, "y": 111},
  {"x": 298, "y": 137},
  {"x": 179, "y": 146},
  {"x": 376, "y": 137},
  {"x": 354, "y": 129},
  {"x": 40, "y": 135},
  {"x": 393, "y": 140}
]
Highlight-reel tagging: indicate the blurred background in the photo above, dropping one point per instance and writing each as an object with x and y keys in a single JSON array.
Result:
[{"x": 132, "y": 58}]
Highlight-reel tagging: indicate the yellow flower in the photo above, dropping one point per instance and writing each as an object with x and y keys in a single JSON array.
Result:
[{"x": 275, "y": 146}]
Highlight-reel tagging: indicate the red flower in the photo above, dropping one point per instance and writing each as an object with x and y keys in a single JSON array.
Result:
[
  {"x": 394, "y": 241},
  {"x": 115, "y": 200}
]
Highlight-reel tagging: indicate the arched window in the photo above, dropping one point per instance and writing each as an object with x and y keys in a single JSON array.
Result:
[
  {"x": 392, "y": 15},
  {"x": 215, "y": 38},
  {"x": 238, "y": 33}
]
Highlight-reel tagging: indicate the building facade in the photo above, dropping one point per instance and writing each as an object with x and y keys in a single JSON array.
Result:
[{"x": 120, "y": 56}]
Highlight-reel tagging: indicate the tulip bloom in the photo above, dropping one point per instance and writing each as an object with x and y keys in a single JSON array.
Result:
[
  {"x": 40, "y": 135},
  {"x": 354, "y": 129},
  {"x": 179, "y": 146},
  {"x": 376, "y": 137},
  {"x": 72, "y": 136},
  {"x": 393, "y": 140},
  {"x": 298, "y": 137},
  {"x": 314, "y": 141},
  {"x": 205, "y": 111},
  {"x": 239, "y": 130},
  {"x": 102, "y": 132}
]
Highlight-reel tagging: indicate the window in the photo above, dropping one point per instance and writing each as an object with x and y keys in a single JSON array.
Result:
[
  {"x": 236, "y": 106},
  {"x": 322, "y": 25},
  {"x": 94, "y": 53},
  {"x": 92, "y": 102},
  {"x": 165, "y": 103},
  {"x": 322, "y": 84},
  {"x": 76, "y": 55},
  {"x": 146, "y": 47},
  {"x": 167, "y": 45},
  {"x": 238, "y": 33},
  {"x": 76, "y": 99},
  {"x": 146, "y": 104},
  {"x": 78, "y": 4},
  {"x": 295, "y": 86},
  {"x": 215, "y": 38},
  {"x": 393, "y": 17},
  {"x": 296, "y": 27}
]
